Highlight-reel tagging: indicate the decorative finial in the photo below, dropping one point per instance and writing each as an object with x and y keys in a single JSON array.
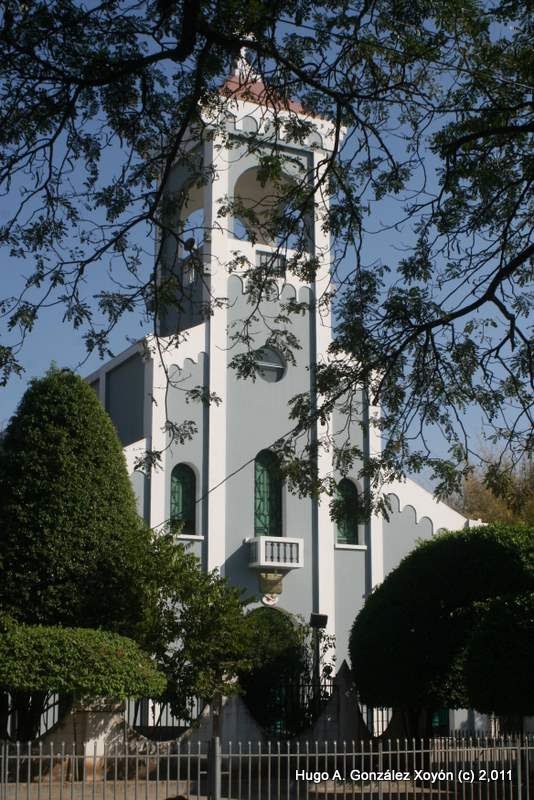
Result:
[{"x": 243, "y": 69}]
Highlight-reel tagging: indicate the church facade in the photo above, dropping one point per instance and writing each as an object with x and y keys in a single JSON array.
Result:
[{"x": 222, "y": 484}]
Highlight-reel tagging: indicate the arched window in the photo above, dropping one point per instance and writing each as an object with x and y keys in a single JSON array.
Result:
[
  {"x": 267, "y": 495},
  {"x": 183, "y": 496},
  {"x": 348, "y": 512}
]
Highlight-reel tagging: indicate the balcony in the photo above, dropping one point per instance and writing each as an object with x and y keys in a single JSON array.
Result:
[{"x": 275, "y": 553}]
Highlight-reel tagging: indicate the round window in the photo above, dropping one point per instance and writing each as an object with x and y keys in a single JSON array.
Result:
[{"x": 270, "y": 364}]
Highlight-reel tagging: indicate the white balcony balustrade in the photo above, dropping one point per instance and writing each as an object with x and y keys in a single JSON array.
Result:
[{"x": 275, "y": 553}]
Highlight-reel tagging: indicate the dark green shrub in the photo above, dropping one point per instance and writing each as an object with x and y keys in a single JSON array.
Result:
[
  {"x": 499, "y": 663},
  {"x": 81, "y": 661},
  {"x": 73, "y": 550},
  {"x": 408, "y": 642},
  {"x": 273, "y": 688}
]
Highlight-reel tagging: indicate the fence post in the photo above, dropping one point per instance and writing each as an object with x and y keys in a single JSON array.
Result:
[
  {"x": 380, "y": 768},
  {"x": 519, "y": 768},
  {"x": 2, "y": 771},
  {"x": 214, "y": 768}
]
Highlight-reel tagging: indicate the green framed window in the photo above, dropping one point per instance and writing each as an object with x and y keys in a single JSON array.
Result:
[
  {"x": 267, "y": 495},
  {"x": 348, "y": 504},
  {"x": 183, "y": 497}
]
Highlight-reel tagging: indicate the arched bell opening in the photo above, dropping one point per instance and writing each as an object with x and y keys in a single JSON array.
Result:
[
  {"x": 184, "y": 238},
  {"x": 181, "y": 287},
  {"x": 192, "y": 225},
  {"x": 249, "y": 125},
  {"x": 270, "y": 212}
]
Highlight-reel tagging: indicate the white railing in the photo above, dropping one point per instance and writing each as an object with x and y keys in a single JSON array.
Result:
[{"x": 275, "y": 552}]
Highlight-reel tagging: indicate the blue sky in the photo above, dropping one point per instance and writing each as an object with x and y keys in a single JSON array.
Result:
[{"x": 54, "y": 339}]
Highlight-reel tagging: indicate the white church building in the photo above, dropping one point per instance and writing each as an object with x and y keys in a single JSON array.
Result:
[{"x": 222, "y": 484}]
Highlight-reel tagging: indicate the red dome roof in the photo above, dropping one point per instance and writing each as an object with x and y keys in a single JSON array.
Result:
[{"x": 255, "y": 91}]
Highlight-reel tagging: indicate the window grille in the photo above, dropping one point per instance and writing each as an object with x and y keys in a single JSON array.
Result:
[
  {"x": 270, "y": 364},
  {"x": 183, "y": 496},
  {"x": 274, "y": 264},
  {"x": 349, "y": 509},
  {"x": 267, "y": 495}
]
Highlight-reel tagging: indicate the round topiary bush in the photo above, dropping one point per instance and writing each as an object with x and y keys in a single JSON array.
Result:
[
  {"x": 81, "y": 661},
  {"x": 501, "y": 649},
  {"x": 408, "y": 642}
]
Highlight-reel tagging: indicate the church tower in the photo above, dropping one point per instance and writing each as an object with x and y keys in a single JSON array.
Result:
[{"x": 230, "y": 244}]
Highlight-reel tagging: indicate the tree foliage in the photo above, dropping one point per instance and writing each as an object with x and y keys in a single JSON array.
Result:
[
  {"x": 81, "y": 661},
  {"x": 408, "y": 643},
  {"x": 281, "y": 664},
  {"x": 73, "y": 550},
  {"x": 431, "y": 110},
  {"x": 501, "y": 652},
  {"x": 499, "y": 495},
  {"x": 199, "y": 635},
  {"x": 279, "y": 688}
]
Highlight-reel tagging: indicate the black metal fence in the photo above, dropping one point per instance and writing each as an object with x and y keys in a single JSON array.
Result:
[
  {"x": 54, "y": 709},
  {"x": 156, "y": 721},
  {"x": 288, "y": 709}
]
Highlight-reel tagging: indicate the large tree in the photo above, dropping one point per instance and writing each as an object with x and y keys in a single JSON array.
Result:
[
  {"x": 431, "y": 108},
  {"x": 73, "y": 550},
  {"x": 199, "y": 634},
  {"x": 408, "y": 644},
  {"x": 501, "y": 650}
]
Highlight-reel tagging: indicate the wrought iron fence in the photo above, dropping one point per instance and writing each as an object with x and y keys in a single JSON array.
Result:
[
  {"x": 439, "y": 769},
  {"x": 55, "y": 707},
  {"x": 376, "y": 719},
  {"x": 156, "y": 720},
  {"x": 289, "y": 708}
]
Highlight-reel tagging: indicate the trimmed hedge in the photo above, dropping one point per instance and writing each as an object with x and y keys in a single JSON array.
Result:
[
  {"x": 92, "y": 663},
  {"x": 73, "y": 550}
]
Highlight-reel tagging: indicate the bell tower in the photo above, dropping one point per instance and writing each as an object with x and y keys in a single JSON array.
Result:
[{"x": 245, "y": 247}]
